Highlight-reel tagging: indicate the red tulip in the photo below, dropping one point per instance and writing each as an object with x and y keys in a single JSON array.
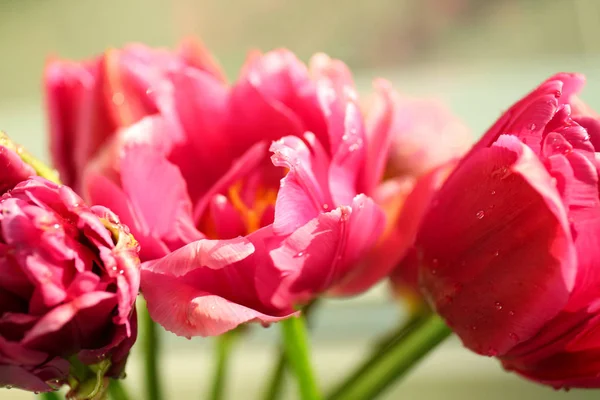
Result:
[
  {"x": 66, "y": 288},
  {"x": 509, "y": 247}
]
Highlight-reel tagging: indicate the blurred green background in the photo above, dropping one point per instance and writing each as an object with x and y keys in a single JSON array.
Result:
[{"x": 478, "y": 55}]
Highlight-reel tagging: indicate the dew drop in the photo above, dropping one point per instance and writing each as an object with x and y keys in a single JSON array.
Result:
[
  {"x": 496, "y": 253},
  {"x": 532, "y": 127},
  {"x": 492, "y": 352},
  {"x": 511, "y": 313},
  {"x": 498, "y": 306},
  {"x": 345, "y": 136},
  {"x": 56, "y": 226},
  {"x": 121, "y": 272},
  {"x": 480, "y": 214},
  {"x": 325, "y": 206},
  {"x": 8, "y": 386},
  {"x": 149, "y": 91},
  {"x": 557, "y": 94},
  {"x": 118, "y": 98},
  {"x": 473, "y": 327},
  {"x": 36, "y": 392},
  {"x": 19, "y": 149},
  {"x": 513, "y": 336},
  {"x": 114, "y": 268},
  {"x": 299, "y": 254},
  {"x": 493, "y": 192},
  {"x": 354, "y": 147}
]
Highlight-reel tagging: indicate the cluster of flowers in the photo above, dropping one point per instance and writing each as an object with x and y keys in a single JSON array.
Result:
[{"x": 249, "y": 200}]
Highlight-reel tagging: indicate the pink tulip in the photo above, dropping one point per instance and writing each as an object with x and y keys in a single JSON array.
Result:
[
  {"x": 247, "y": 199},
  {"x": 509, "y": 248},
  {"x": 66, "y": 288}
]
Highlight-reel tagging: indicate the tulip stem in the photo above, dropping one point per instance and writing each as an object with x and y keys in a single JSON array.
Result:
[
  {"x": 49, "y": 396},
  {"x": 224, "y": 344},
  {"x": 117, "y": 390},
  {"x": 393, "y": 361},
  {"x": 275, "y": 383},
  {"x": 297, "y": 355},
  {"x": 151, "y": 346}
]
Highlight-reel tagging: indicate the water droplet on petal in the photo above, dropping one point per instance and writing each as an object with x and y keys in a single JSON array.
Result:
[
  {"x": 473, "y": 327},
  {"x": 299, "y": 254},
  {"x": 56, "y": 226},
  {"x": 114, "y": 268},
  {"x": 118, "y": 98},
  {"x": 532, "y": 127},
  {"x": 498, "y": 306},
  {"x": 325, "y": 206},
  {"x": 493, "y": 192},
  {"x": 480, "y": 214},
  {"x": 511, "y": 313},
  {"x": 496, "y": 253},
  {"x": 121, "y": 272},
  {"x": 345, "y": 136},
  {"x": 492, "y": 352},
  {"x": 513, "y": 336},
  {"x": 557, "y": 94}
]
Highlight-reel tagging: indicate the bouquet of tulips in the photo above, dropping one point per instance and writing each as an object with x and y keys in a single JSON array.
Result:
[{"x": 228, "y": 205}]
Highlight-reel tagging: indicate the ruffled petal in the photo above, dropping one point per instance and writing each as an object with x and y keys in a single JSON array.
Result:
[{"x": 510, "y": 229}]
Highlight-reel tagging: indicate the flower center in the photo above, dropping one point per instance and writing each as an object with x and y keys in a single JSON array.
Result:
[{"x": 252, "y": 215}]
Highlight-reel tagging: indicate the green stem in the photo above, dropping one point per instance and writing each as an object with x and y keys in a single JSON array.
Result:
[
  {"x": 50, "y": 396},
  {"x": 117, "y": 390},
  {"x": 297, "y": 354},
  {"x": 151, "y": 346},
  {"x": 393, "y": 361},
  {"x": 224, "y": 345},
  {"x": 275, "y": 383}
]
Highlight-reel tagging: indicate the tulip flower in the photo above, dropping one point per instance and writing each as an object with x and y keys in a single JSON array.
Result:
[
  {"x": 247, "y": 199},
  {"x": 69, "y": 279},
  {"x": 509, "y": 247}
]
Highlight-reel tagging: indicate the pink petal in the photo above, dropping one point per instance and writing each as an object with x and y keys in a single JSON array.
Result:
[
  {"x": 196, "y": 55},
  {"x": 156, "y": 190},
  {"x": 510, "y": 228},
  {"x": 204, "y": 253},
  {"x": 325, "y": 250},
  {"x": 379, "y": 134},
  {"x": 529, "y": 116},
  {"x": 303, "y": 191}
]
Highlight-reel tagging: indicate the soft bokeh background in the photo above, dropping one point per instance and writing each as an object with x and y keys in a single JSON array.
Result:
[{"x": 478, "y": 55}]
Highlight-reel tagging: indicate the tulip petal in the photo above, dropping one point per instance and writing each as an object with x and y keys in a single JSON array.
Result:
[
  {"x": 336, "y": 239},
  {"x": 216, "y": 294},
  {"x": 303, "y": 191},
  {"x": 213, "y": 254},
  {"x": 379, "y": 134},
  {"x": 528, "y": 117},
  {"x": 511, "y": 229}
]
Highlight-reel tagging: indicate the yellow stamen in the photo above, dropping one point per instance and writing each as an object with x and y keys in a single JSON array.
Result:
[{"x": 252, "y": 215}]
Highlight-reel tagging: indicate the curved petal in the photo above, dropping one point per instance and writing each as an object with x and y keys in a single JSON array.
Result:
[
  {"x": 274, "y": 97},
  {"x": 379, "y": 135},
  {"x": 511, "y": 229},
  {"x": 339, "y": 102},
  {"x": 303, "y": 191},
  {"x": 213, "y": 293},
  {"x": 157, "y": 191},
  {"x": 213, "y": 254},
  {"x": 528, "y": 117},
  {"x": 325, "y": 250}
]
